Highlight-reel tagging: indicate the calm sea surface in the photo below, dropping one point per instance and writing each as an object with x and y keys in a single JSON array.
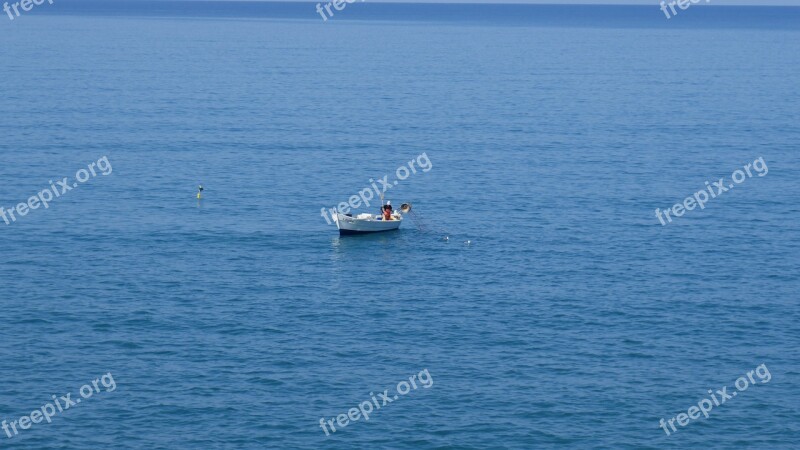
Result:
[{"x": 572, "y": 318}]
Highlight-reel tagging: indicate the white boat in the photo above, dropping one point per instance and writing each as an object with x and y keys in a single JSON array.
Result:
[{"x": 366, "y": 223}]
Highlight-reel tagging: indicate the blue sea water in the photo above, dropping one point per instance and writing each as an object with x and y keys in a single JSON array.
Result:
[{"x": 572, "y": 319}]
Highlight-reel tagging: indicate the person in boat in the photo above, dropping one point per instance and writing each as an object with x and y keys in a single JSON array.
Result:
[{"x": 387, "y": 212}]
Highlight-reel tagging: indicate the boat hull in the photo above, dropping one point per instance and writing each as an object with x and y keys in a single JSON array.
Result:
[
  {"x": 350, "y": 225},
  {"x": 344, "y": 232}
]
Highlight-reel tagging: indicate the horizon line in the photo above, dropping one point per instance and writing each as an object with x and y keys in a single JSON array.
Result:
[{"x": 654, "y": 3}]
